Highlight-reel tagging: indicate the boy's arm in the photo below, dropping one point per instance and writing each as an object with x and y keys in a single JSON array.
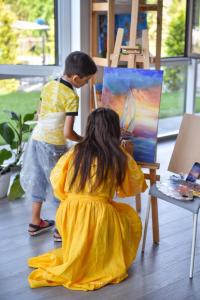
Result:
[{"x": 69, "y": 132}]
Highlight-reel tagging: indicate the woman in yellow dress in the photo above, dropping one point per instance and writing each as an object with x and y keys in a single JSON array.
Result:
[{"x": 100, "y": 237}]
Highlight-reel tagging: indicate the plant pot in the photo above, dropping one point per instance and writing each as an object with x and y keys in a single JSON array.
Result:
[{"x": 4, "y": 184}]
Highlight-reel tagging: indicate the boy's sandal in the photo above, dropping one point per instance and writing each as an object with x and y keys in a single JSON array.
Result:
[
  {"x": 56, "y": 236},
  {"x": 43, "y": 226}
]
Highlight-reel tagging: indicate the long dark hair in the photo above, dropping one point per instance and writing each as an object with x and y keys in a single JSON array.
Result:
[{"x": 102, "y": 145}]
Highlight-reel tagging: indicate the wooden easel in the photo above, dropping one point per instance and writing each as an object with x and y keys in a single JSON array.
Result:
[
  {"x": 133, "y": 56},
  {"x": 109, "y": 7}
]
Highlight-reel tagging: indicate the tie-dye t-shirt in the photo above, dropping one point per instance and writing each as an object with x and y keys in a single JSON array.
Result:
[{"x": 58, "y": 100}]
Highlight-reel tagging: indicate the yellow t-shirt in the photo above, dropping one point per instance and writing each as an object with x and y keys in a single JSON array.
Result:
[{"x": 58, "y": 100}]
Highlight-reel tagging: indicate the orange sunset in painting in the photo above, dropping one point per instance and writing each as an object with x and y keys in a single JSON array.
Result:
[{"x": 135, "y": 95}]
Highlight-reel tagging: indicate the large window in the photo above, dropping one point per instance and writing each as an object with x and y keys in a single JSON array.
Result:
[
  {"x": 27, "y": 32},
  {"x": 31, "y": 56}
]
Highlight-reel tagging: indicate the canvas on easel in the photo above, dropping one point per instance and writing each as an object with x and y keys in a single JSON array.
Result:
[{"x": 135, "y": 95}]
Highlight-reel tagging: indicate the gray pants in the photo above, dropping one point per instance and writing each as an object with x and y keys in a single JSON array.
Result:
[{"x": 38, "y": 161}]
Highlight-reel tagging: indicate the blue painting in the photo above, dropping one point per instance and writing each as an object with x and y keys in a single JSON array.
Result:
[{"x": 121, "y": 21}]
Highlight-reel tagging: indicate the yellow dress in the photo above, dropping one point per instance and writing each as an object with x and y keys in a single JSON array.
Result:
[{"x": 100, "y": 237}]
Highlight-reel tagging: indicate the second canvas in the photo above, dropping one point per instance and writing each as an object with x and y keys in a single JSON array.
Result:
[{"x": 135, "y": 95}]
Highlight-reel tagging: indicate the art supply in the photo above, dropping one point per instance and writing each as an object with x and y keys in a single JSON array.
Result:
[
  {"x": 176, "y": 190},
  {"x": 194, "y": 173}
]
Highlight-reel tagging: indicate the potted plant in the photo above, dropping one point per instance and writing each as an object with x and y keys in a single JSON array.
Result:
[{"x": 13, "y": 132}]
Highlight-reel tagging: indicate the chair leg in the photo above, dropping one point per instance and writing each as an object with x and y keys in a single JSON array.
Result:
[
  {"x": 146, "y": 223},
  {"x": 194, "y": 235}
]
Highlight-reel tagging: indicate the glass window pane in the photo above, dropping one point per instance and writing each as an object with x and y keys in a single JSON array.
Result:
[
  {"x": 197, "y": 96},
  {"x": 195, "y": 47},
  {"x": 173, "y": 28},
  {"x": 19, "y": 95},
  {"x": 173, "y": 99},
  {"x": 27, "y": 32}
]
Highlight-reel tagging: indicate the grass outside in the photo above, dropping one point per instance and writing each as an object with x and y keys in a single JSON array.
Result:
[{"x": 172, "y": 104}]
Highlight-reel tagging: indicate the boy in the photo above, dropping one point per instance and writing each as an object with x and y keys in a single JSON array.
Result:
[{"x": 59, "y": 106}]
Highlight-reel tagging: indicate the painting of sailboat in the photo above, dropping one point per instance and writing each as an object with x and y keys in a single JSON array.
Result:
[{"x": 135, "y": 95}]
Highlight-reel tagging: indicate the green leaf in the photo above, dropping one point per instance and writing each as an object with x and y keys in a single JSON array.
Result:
[
  {"x": 25, "y": 128},
  {"x": 7, "y": 133},
  {"x": 4, "y": 155},
  {"x": 16, "y": 190},
  {"x": 14, "y": 145},
  {"x": 29, "y": 117},
  {"x": 12, "y": 115}
]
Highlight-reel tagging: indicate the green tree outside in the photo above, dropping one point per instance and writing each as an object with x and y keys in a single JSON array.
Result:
[
  {"x": 8, "y": 45},
  {"x": 8, "y": 38},
  {"x": 27, "y": 10},
  {"x": 174, "y": 45}
]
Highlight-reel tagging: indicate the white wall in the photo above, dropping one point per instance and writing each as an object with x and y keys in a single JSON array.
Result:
[{"x": 80, "y": 41}]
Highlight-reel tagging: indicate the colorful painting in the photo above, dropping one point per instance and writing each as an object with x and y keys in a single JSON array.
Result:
[{"x": 135, "y": 95}]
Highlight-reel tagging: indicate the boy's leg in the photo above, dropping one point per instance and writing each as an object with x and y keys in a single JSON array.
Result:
[
  {"x": 35, "y": 184},
  {"x": 36, "y": 210},
  {"x": 38, "y": 190},
  {"x": 38, "y": 225}
]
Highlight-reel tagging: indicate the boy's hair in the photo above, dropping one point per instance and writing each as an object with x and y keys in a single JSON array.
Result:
[
  {"x": 101, "y": 145},
  {"x": 79, "y": 63}
]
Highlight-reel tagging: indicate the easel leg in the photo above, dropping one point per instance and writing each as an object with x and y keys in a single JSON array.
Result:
[
  {"x": 110, "y": 30},
  {"x": 154, "y": 210},
  {"x": 145, "y": 45},
  {"x": 138, "y": 203},
  {"x": 146, "y": 224},
  {"x": 116, "y": 54},
  {"x": 155, "y": 222}
]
